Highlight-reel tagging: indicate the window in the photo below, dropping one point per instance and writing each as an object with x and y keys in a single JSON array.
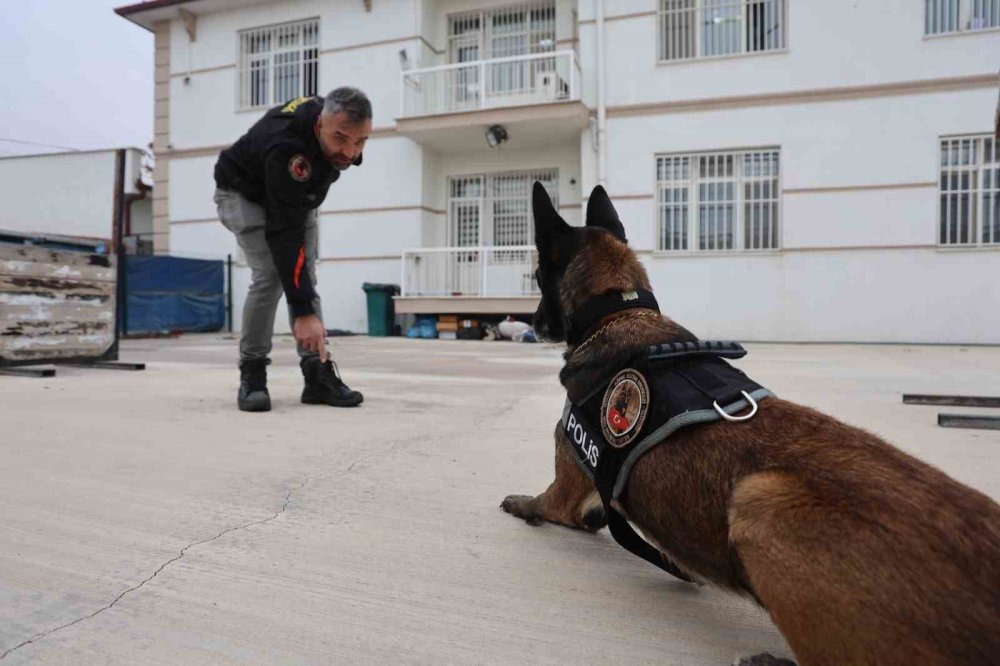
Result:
[
  {"x": 278, "y": 63},
  {"x": 506, "y": 32},
  {"x": 941, "y": 16},
  {"x": 705, "y": 28},
  {"x": 969, "y": 206},
  {"x": 494, "y": 210},
  {"x": 516, "y": 30},
  {"x": 718, "y": 201}
]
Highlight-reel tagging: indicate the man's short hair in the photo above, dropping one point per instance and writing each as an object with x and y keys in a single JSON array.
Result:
[{"x": 351, "y": 101}]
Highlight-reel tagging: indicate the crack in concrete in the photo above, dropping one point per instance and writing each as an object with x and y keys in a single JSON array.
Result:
[
  {"x": 45, "y": 634},
  {"x": 503, "y": 412}
]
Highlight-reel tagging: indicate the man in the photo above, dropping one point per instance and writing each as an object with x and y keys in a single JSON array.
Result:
[{"x": 269, "y": 185}]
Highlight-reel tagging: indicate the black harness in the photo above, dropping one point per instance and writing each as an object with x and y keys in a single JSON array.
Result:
[{"x": 663, "y": 389}]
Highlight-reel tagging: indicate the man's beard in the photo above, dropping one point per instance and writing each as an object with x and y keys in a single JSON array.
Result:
[{"x": 341, "y": 162}]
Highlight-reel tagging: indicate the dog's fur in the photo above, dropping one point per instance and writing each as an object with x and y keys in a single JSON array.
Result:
[{"x": 861, "y": 553}]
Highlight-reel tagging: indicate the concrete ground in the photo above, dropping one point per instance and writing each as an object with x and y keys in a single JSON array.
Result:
[{"x": 146, "y": 520}]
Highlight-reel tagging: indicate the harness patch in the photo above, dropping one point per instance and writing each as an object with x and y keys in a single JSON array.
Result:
[
  {"x": 299, "y": 168},
  {"x": 624, "y": 408}
]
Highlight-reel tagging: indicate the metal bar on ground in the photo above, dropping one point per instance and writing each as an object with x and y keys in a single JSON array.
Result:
[
  {"x": 950, "y": 400},
  {"x": 971, "y": 421},
  {"x": 28, "y": 372},
  {"x": 109, "y": 365}
]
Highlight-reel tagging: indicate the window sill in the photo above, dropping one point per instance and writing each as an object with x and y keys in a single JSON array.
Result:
[
  {"x": 729, "y": 56},
  {"x": 253, "y": 109},
  {"x": 994, "y": 247},
  {"x": 961, "y": 33},
  {"x": 711, "y": 254}
]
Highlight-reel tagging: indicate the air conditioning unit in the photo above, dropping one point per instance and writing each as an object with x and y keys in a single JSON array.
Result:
[{"x": 551, "y": 86}]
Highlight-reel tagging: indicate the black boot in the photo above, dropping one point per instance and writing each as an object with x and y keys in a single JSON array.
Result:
[
  {"x": 324, "y": 386},
  {"x": 253, "y": 395}
]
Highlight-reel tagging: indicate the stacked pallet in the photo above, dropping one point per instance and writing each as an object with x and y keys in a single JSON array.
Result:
[{"x": 55, "y": 304}]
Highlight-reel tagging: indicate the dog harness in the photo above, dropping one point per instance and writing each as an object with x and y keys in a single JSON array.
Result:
[{"x": 665, "y": 388}]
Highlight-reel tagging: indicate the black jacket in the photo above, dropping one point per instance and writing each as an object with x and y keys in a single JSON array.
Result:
[{"x": 280, "y": 165}]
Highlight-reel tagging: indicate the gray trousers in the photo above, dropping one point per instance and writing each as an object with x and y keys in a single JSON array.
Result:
[{"x": 246, "y": 219}]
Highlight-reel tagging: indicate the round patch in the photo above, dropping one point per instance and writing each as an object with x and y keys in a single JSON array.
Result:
[
  {"x": 625, "y": 406},
  {"x": 299, "y": 168}
]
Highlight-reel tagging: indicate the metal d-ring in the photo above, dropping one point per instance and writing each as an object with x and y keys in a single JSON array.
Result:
[{"x": 753, "y": 409}]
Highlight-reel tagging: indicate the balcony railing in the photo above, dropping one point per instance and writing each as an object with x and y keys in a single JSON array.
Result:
[
  {"x": 489, "y": 84},
  {"x": 470, "y": 271}
]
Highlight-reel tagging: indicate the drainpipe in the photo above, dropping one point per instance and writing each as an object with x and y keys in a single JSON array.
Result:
[{"x": 602, "y": 111}]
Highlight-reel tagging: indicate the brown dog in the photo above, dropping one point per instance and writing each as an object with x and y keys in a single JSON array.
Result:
[{"x": 861, "y": 553}]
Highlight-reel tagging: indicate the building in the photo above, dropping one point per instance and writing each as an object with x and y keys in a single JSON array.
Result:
[
  {"x": 37, "y": 187},
  {"x": 788, "y": 170}
]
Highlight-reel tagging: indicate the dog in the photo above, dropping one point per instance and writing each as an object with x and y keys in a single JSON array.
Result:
[{"x": 860, "y": 553}]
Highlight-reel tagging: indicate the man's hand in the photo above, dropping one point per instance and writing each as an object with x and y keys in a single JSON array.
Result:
[{"x": 311, "y": 334}]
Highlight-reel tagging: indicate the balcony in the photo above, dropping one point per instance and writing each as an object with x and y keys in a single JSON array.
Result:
[
  {"x": 481, "y": 280},
  {"x": 536, "y": 97}
]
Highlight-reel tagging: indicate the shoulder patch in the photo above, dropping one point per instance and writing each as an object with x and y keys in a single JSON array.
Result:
[
  {"x": 624, "y": 408},
  {"x": 299, "y": 168},
  {"x": 294, "y": 104}
]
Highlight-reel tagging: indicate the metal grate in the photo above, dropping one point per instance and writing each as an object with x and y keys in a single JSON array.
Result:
[
  {"x": 727, "y": 201},
  {"x": 705, "y": 28},
  {"x": 941, "y": 16},
  {"x": 465, "y": 203},
  {"x": 503, "y": 32},
  {"x": 278, "y": 63},
  {"x": 494, "y": 210},
  {"x": 969, "y": 198},
  {"x": 760, "y": 200},
  {"x": 674, "y": 174}
]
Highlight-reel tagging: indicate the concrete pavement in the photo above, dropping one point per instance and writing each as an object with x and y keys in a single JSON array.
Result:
[{"x": 146, "y": 520}]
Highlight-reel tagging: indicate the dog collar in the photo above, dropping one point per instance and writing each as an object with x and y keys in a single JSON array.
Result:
[{"x": 597, "y": 308}]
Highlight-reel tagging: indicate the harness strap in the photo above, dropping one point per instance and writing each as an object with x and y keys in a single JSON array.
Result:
[
  {"x": 628, "y": 539},
  {"x": 590, "y": 449}
]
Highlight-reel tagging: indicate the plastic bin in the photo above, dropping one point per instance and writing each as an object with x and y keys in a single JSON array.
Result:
[{"x": 381, "y": 309}]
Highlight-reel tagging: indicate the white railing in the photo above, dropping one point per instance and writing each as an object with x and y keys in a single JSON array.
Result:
[
  {"x": 488, "y": 84},
  {"x": 470, "y": 271}
]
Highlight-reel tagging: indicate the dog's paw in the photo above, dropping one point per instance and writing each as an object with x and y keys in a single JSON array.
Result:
[
  {"x": 521, "y": 506},
  {"x": 764, "y": 659}
]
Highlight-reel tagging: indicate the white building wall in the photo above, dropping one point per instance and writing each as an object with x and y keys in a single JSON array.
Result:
[
  {"x": 859, "y": 260},
  {"x": 70, "y": 194},
  {"x": 830, "y": 45}
]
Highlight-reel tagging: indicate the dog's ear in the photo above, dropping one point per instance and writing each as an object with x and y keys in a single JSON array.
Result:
[
  {"x": 549, "y": 225},
  {"x": 601, "y": 213}
]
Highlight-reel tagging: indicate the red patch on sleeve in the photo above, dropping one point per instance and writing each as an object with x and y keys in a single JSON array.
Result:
[
  {"x": 299, "y": 168},
  {"x": 298, "y": 266}
]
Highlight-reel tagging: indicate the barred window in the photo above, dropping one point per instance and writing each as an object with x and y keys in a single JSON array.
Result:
[
  {"x": 278, "y": 63},
  {"x": 704, "y": 28},
  {"x": 969, "y": 207},
  {"x": 718, "y": 201},
  {"x": 942, "y": 16},
  {"x": 494, "y": 210}
]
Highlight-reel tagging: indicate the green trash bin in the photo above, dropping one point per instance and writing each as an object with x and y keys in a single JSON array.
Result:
[{"x": 381, "y": 309}]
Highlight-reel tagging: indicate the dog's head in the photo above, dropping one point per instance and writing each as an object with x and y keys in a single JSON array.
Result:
[{"x": 577, "y": 263}]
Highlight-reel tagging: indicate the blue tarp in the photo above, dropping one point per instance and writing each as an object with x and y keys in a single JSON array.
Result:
[{"x": 174, "y": 294}]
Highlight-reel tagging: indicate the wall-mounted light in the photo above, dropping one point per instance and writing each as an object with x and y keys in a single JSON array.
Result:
[
  {"x": 404, "y": 60},
  {"x": 496, "y": 135}
]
